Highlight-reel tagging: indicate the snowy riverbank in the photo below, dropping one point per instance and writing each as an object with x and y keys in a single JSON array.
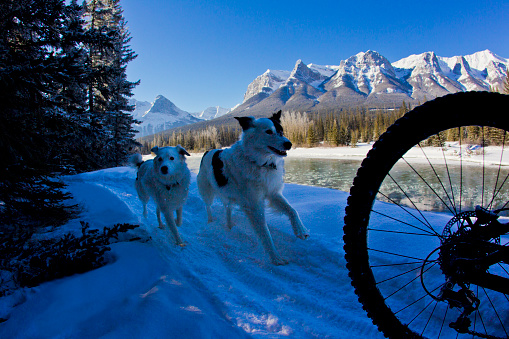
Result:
[
  {"x": 453, "y": 152},
  {"x": 469, "y": 154}
]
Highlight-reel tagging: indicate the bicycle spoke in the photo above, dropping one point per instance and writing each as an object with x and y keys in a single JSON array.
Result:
[
  {"x": 447, "y": 169},
  {"x": 502, "y": 267},
  {"x": 461, "y": 177},
  {"x": 482, "y": 322},
  {"x": 498, "y": 174},
  {"x": 416, "y": 301},
  {"x": 495, "y": 194},
  {"x": 413, "y": 216},
  {"x": 431, "y": 188},
  {"x": 411, "y": 201},
  {"x": 408, "y": 283},
  {"x": 429, "y": 318},
  {"x": 495, "y": 310},
  {"x": 398, "y": 275},
  {"x": 405, "y": 223},
  {"x": 483, "y": 167},
  {"x": 443, "y": 322},
  {"x": 439, "y": 180},
  {"x": 400, "y": 264},
  {"x": 400, "y": 232},
  {"x": 395, "y": 254},
  {"x": 418, "y": 314}
]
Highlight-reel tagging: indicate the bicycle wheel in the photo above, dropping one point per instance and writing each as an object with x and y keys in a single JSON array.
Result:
[{"x": 408, "y": 200}]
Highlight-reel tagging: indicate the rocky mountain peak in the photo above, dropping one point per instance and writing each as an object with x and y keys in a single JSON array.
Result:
[
  {"x": 301, "y": 72},
  {"x": 368, "y": 78},
  {"x": 165, "y": 106},
  {"x": 162, "y": 114},
  {"x": 266, "y": 83}
]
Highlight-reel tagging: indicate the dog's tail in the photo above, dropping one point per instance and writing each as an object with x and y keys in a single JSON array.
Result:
[{"x": 136, "y": 160}]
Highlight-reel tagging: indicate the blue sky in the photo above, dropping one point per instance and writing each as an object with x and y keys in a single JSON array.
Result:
[{"x": 205, "y": 53}]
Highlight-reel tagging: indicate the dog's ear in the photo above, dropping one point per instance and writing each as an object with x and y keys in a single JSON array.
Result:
[
  {"x": 276, "y": 117},
  {"x": 276, "y": 120},
  {"x": 245, "y": 122},
  {"x": 155, "y": 149},
  {"x": 182, "y": 151}
]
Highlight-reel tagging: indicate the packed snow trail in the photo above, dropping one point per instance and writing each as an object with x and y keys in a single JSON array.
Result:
[{"x": 221, "y": 284}]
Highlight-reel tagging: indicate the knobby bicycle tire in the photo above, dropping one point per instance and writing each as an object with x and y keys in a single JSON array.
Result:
[{"x": 441, "y": 114}]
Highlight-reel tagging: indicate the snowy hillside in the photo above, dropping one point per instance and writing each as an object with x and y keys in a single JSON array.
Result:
[
  {"x": 369, "y": 79},
  {"x": 158, "y": 116}
]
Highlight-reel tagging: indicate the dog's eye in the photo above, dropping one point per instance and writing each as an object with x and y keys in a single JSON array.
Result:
[
  {"x": 159, "y": 159},
  {"x": 172, "y": 158},
  {"x": 269, "y": 132}
]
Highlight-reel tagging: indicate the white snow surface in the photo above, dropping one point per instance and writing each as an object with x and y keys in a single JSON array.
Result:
[{"x": 221, "y": 285}]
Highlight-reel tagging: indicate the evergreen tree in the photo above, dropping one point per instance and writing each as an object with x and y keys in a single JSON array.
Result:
[
  {"x": 335, "y": 135},
  {"x": 311, "y": 136},
  {"x": 41, "y": 60},
  {"x": 355, "y": 138},
  {"x": 108, "y": 88}
]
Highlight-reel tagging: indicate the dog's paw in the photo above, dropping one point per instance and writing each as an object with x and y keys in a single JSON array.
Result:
[
  {"x": 302, "y": 234},
  {"x": 278, "y": 261}
]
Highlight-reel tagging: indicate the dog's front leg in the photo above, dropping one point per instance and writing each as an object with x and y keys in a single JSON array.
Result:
[
  {"x": 179, "y": 216},
  {"x": 158, "y": 213},
  {"x": 170, "y": 221},
  {"x": 256, "y": 215},
  {"x": 209, "y": 214},
  {"x": 282, "y": 205},
  {"x": 228, "y": 209}
]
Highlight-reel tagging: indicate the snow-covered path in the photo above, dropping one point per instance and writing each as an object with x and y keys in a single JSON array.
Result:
[{"x": 221, "y": 285}]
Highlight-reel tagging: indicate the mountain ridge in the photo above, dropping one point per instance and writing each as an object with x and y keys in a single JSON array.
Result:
[
  {"x": 370, "y": 79},
  {"x": 366, "y": 79}
]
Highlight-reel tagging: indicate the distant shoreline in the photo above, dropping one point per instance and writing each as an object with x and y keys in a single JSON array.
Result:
[
  {"x": 415, "y": 155},
  {"x": 452, "y": 152}
]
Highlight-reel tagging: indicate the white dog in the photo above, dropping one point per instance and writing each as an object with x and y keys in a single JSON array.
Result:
[
  {"x": 247, "y": 174},
  {"x": 166, "y": 179}
]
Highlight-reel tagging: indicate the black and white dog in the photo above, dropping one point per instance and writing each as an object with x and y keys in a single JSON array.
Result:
[
  {"x": 166, "y": 179},
  {"x": 247, "y": 174}
]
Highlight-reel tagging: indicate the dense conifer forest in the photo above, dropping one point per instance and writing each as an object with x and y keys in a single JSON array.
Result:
[{"x": 64, "y": 94}]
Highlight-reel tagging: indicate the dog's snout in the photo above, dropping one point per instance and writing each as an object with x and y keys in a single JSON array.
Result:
[
  {"x": 164, "y": 169},
  {"x": 287, "y": 145}
]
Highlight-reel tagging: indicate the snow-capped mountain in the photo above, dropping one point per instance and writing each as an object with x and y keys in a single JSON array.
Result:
[
  {"x": 266, "y": 83},
  {"x": 369, "y": 79},
  {"x": 211, "y": 113},
  {"x": 158, "y": 116}
]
